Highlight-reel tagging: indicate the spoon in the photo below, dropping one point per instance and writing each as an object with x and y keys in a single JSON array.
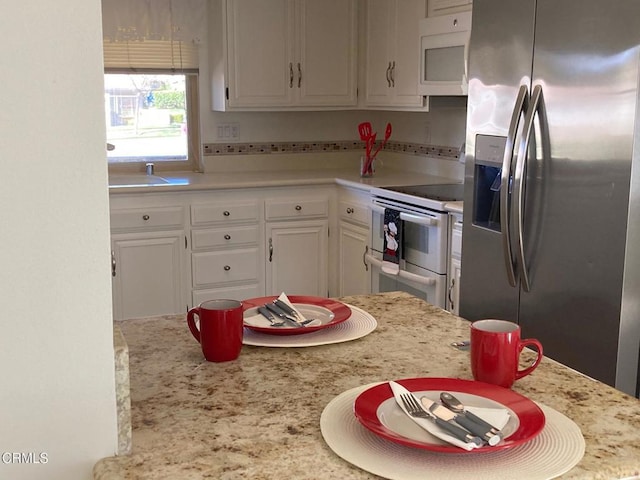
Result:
[{"x": 455, "y": 405}]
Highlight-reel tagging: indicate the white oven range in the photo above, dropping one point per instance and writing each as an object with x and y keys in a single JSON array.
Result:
[{"x": 423, "y": 239}]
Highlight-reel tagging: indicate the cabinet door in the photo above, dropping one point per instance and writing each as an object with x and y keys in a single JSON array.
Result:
[
  {"x": 148, "y": 274},
  {"x": 393, "y": 52},
  {"x": 297, "y": 258},
  {"x": 260, "y": 41},
  {"x": 353, "y": 272},
  {"x": 453, "y": 293},
  {"x": 379, "y": 51},
  {"x": 326, "y": 60},
  {"x": 406, "y": 74}
]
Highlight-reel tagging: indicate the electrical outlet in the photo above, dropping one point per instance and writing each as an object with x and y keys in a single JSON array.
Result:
[{"x": 228, "y": 131}]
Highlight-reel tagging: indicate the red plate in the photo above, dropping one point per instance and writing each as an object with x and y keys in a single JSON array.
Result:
[
  {"x": 527, "y": 422},
  {"x": 339, "y": 310}
]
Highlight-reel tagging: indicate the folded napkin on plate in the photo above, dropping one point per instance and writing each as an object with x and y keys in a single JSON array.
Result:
[
  {"x": 283, "y": 297},
  {"x": 497, "y": 417}
]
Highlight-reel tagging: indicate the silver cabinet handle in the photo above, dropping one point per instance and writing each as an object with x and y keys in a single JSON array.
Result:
[
  {"x": 227, "y": 268},
  {"x": 453, "y": 284},
  {"x": 113, "y": 263},
  {"x": 226, "y": 213},
  {"x": 299, "y": 75},
  {"x": 290, "y": 75},
  {"x": 298, "y": 207},
  {"x": 393, "y": 74},
  {"x": 270, "y": 249},
  {"x": 521, "y": 105},
  {"x": 364, "y": 258},
  {"x": 388, "y": 75},
  {"x": 537, "y": 106},
  {"x": 145, "y": 217},
  {"x": 227, "y": 237}
]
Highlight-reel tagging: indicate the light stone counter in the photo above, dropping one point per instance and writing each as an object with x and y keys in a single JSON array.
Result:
[
  {"x": 258, "y": 417},
  {"x": 188, "y": 181}
]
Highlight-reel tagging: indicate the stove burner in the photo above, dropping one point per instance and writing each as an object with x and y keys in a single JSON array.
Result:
[{"x": 445, "y": 193}]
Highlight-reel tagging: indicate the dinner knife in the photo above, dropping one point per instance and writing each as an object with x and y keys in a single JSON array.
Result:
[
  {"x": 284, "y": 306},
  {"x": 447, "y": 415},
  {"x": 282, "y": 314}
]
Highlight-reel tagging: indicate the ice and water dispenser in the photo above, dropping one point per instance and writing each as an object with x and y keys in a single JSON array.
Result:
[{"x": 487, "y": 181}]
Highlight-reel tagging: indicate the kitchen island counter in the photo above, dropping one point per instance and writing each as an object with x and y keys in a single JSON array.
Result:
[{"x": 258, "y": 416}]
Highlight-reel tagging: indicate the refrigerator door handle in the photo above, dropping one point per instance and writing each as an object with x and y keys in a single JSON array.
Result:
[
  {"x": 520, "y": 107},
  {"x": 537, "y": 105}
]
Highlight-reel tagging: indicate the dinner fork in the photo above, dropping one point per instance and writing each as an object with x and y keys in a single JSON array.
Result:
[{"x": 415, "y": 410}]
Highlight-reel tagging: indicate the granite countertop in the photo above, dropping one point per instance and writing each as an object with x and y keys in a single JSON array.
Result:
[{"x": 258, "y": 416}]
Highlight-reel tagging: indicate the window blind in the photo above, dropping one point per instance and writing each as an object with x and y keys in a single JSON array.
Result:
[{"x": 150, "y": 55}]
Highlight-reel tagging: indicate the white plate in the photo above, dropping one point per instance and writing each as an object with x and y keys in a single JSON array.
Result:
[
  {"x": 358, "y": 325},
  {"x": 395, "y": 419},
  {"x": 556, "y": 450},
  {"x": 320, "y": 315}
]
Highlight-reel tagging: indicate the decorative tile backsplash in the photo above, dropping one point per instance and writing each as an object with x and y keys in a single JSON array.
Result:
[{"x": 212, "y": 149}]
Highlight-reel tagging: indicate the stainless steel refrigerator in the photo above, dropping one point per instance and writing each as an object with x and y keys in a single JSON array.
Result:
[{"x": 551, "y": 235}]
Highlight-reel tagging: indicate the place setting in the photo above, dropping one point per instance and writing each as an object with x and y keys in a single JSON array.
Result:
[
  {"x": 415, "y": 428},
  {"x": 302, "y": 321}
]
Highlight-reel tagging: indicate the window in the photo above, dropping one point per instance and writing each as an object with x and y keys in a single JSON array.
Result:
[{"x": 151, "y": 117}]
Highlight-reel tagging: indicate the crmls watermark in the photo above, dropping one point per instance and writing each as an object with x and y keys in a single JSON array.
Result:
[{"x": 24, "y": 457}]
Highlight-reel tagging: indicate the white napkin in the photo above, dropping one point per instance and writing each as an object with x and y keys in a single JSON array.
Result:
[
  {"x": 283, "y": 297},
  {"x": 497, "y": 417}
]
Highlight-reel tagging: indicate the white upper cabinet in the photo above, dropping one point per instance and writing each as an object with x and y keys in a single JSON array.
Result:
[
  {"x": 393, "y": 53},
  {"x": 286, "y": 54}
]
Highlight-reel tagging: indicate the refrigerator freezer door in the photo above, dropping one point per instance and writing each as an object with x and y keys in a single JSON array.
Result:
[
  {"x": 577, "y": 195},
  {"x": 500, "y": 59}
]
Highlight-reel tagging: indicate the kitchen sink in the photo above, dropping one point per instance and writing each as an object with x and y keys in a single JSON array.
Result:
[{"x": 137, "y": 181}]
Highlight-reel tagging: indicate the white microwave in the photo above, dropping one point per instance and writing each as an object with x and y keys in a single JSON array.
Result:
[{"x": 444, "y": 47}]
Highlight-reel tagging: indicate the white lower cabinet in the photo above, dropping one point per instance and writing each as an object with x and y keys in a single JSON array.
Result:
[
  {"x": 354, "y": 219},
  {"x": 226, "y": 247},
  {"x": 147, "y": 274},
  {"x": 173, "y": 251},
  {"x": 455, "y": 262},
  {"x": 148, "y": 253},
  {"x": 353, "y": 275},
  {"x": 297, "y": 237}
]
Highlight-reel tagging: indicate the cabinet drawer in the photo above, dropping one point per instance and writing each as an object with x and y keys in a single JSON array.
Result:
[
  {"x": 152, "y": 217},
  {"x": 292, "y": 209},
  {"x": 225, "y": 266},
  {"x": 354, "y": 212},
  {"x": 224, "y": 237},
  {"x": 224, "y": 213}
]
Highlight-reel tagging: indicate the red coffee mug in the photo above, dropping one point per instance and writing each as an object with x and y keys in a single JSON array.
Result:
[
  {"x": 221, "y": 325},
  {"x": 495, "y": 352}
]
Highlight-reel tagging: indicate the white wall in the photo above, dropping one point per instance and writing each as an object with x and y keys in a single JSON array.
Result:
[{"x": 57, "y": 393}]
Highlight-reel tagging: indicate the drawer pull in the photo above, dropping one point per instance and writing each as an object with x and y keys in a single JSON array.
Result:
[
  {"x": 227, "y": 237},
  {"x": 145, "y": 217},
  {"x": 298, "y": 208},
  {"x": 226, "y": 213},
  {"x": 349, "y": 210},
  {"x": 227, "y": 268}
]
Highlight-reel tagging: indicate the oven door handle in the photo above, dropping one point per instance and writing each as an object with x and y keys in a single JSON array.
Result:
[
  {"x": 419, "y": 219},
  {"x": 409, "y": 217},
  {"x": 402, "y": 274}
]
